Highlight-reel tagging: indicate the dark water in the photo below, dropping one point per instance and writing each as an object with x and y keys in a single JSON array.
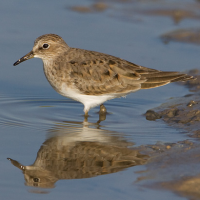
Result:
[{"x": 32, "y": 113}]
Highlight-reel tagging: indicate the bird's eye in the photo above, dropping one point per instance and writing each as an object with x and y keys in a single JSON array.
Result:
[
  {"x": 45, "y": 46},
  {"x": 36, "y": 180}
]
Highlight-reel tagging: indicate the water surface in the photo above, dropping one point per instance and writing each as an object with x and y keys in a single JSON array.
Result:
[{"x": 32, "y": 113}]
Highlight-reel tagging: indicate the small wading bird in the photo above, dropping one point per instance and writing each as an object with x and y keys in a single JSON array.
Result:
[{"x": 91, "y": 77}]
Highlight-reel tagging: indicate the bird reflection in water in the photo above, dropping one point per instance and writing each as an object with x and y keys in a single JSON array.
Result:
[{"x": 76, "y": 150}]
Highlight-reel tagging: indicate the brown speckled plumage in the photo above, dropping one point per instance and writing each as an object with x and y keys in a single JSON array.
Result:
[{"x": 77, "y": 73}]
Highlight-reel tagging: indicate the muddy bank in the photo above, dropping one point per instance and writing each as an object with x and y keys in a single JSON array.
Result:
[
  {"x": 138, "y": 11},
  {"x": 131, "y": 9},
  {"x": 177, "y": 168},
  {"x": 95, "y": 7},
  {"x": 187, "y": 186},
  {"x": 191, "y": 35},
  {"x": 182, "y": 112}
]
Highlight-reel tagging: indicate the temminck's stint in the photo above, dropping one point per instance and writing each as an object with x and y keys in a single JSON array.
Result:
[{"x": 91, "y": 77}]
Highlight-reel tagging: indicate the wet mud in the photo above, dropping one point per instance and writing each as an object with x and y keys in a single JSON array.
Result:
[
  {"x": 181, "y": 161},
  {"x": 187, "y": 186},
  {"x": 176, "y": 14},
  {"x": 133, "y": 8},
  {"x": 134, "y": 11},
  {"x": 191, "y": 35},
  {"x": 181, "y": 112},
  {"x": 95, "y": 7},
  {"x": 175, "y": 169}
]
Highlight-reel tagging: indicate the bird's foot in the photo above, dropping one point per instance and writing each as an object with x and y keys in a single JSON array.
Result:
[
  {"x": 102, "y": 113},
  {"x": 102, "y": 109}
]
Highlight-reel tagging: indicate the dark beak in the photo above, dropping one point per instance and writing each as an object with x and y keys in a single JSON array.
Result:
[
  {"x": 17, "y": 164},
  {"x": 24, "y": 58}
]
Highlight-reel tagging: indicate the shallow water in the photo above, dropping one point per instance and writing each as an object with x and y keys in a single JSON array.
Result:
[{"x": 32, "y": 113}]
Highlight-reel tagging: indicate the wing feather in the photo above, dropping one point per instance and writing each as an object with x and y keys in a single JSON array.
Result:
[{"x": 95, "y": 73}]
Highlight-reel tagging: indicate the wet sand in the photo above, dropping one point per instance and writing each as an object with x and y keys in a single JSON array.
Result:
[{"x": 182, "y": 113}]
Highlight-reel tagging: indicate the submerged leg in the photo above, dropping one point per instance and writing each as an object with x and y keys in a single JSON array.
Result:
[
  {"x": 85, "y": 117},
  {"x": 102, "y": 113},
  {"x": 86, "y": 113},
  {"x": 102, "y": 109},
  {"x": 85, "y": 121}
]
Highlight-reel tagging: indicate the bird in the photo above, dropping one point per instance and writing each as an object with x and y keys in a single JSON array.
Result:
[{"x": 92, "y": 77}]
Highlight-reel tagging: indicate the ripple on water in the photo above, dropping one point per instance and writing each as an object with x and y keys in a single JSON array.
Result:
[
  {"x": 32, "y": 112},
  {"x": 124, "y": 117}
]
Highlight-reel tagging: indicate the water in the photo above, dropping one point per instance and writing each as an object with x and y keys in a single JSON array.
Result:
[{"x": 33, "y": 113}]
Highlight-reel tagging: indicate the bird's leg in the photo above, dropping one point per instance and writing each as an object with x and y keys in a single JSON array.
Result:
[
  {"x": 86, "y": 113},
  {"x": 102, "y": 109},
  {"x": 102, "y": 113},
  {"x": 85, "y": 121},
  {"x": 86, "y": 117}
]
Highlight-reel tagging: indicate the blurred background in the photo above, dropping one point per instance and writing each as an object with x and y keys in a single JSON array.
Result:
[{"x": 160, "y": 34}]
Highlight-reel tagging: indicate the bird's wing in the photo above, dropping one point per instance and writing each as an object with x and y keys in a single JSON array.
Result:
[{"x": 94, "y": 73}]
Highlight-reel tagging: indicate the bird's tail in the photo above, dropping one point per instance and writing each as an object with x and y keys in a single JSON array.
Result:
[{"x": 160, "y": 78}]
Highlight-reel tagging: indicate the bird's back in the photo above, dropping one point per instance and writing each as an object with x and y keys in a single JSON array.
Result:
[{"x": 94, "y": 73}]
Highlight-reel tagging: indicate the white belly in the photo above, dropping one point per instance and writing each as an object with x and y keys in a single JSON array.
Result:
[{"x": 89, "y": 101}]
